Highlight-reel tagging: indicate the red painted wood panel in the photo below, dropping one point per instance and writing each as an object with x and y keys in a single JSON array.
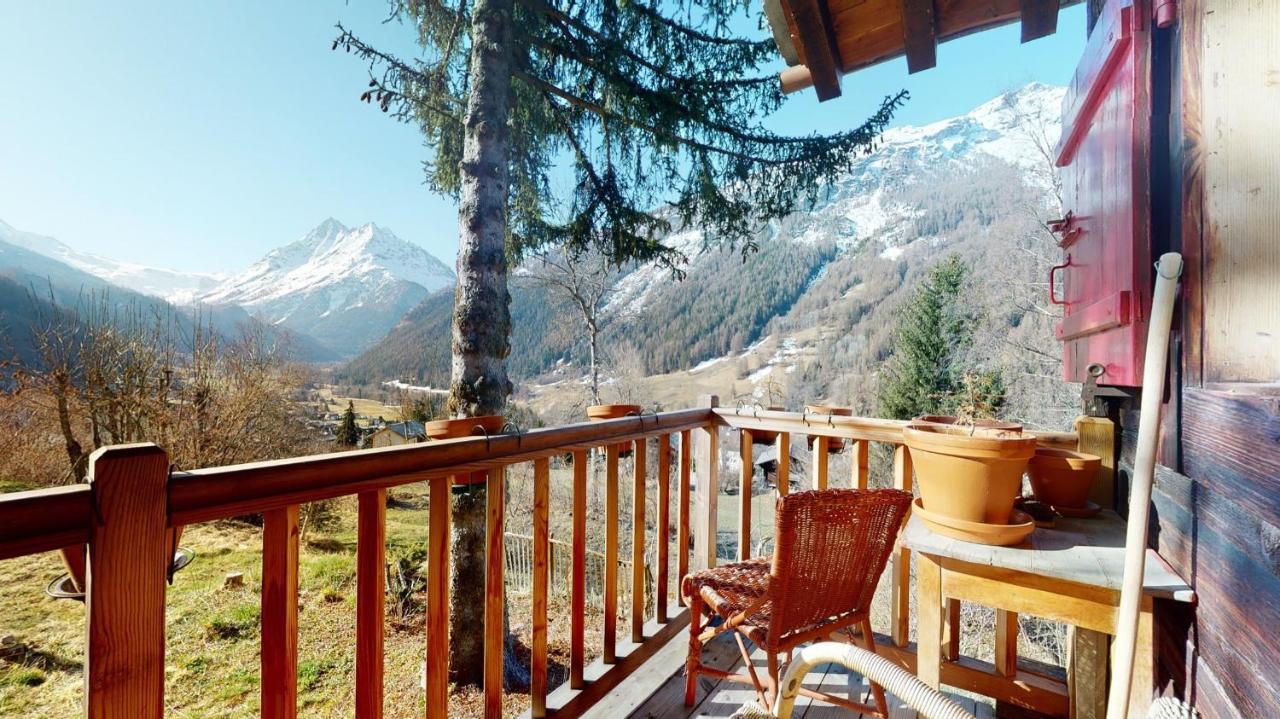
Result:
[{"x": 1105, "y": 159}]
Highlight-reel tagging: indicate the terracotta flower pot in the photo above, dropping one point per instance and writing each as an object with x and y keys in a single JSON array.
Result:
[
  {"x": 765, "y": 436},
  {"x": 974, "y": 478},
  {"x": 981, "y": 425},
  {"x": 598, "y": 412},
  {"x": 466, "y": 427},
  {"x": 1062, "y": 478},
  {"x": 834, "y": 444},
  {"x": 602, "y": 412}
]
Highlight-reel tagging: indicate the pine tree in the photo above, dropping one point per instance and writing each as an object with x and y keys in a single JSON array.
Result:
[
  {"x": 348, "y": 433},
  {"x": 651, "y": 105},
  {"x": 926, "y": 373}
]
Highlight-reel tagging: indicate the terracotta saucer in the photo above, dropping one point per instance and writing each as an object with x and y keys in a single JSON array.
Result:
[
  {"x": 1020, "y": 525},
  {"x": 1088, "y": 510}
]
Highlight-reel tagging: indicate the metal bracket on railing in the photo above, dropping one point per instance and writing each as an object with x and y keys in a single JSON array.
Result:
[
  {"x": 511, "y": 428},
  {"x": 804, "y": 416},
  {"x": 485, "y": 432}
]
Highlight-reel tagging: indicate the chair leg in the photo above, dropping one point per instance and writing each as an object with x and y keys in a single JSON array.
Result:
[
  {"x": 774, "y": 690},
  {"x": 761, "y": 691},
  {"x": 694, "y": 659},
  {"x": 869, "y": 639}
]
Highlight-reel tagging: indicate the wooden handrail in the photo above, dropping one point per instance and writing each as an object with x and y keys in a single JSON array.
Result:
[
  {"x": 206, "y": 495},
  {"x": 871, "y": 429},
  {"x": 44, "y": 520}
]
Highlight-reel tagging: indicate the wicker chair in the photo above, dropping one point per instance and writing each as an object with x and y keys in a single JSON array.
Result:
[{"x": 832, "y": 546}]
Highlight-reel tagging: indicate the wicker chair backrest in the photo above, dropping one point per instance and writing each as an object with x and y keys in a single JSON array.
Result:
[{"x": 832, "y": 546}]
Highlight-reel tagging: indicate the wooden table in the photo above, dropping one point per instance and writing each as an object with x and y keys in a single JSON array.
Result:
[{"x": 1070, "y": 573}]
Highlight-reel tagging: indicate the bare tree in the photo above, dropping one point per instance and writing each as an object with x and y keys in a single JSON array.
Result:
[{"x": 586, "y": 279}]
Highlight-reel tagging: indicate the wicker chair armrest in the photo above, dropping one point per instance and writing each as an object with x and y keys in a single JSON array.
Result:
[{"x": 895, "y": 680}]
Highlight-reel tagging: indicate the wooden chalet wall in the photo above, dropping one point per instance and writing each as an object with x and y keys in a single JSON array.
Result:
[{"x": 1216, "y": 198}]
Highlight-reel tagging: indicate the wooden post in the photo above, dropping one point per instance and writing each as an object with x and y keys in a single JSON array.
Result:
[
  {"x": 930, "y": 644},
  {"x": 745, "y": 451},
  {"x": 371, "y": 579},
  {"x": 952, "y": 630},
  {"x": 578, "y": 572},
  {"x": 1006, "y": 643},
  {"x": 438, "y": 531},
  {"x": 861, "y": 464},
  {"x": 640, "y": 460},
  {"x": 821, "y": 461},
  {"x": 494, "y": 590},
  {"x": 128, "y": 565},
  {"x": 784, "y": 463},
  {"x": 1087, "y": 673},
  {"x": 280, "y": 613},
  {"x": 1097, "y": 435},
  {"x": 706, "y": 488},
  {"x": 663, "y": 538},
  {"x": 541, "y": 555},
  {"x": 900, "y": 606},
  {"x": 610, "y": 554},
  {"x": 682, "y": 508}
]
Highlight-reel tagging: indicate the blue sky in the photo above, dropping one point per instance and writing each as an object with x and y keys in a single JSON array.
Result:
[{"x": 199, "y": 136}]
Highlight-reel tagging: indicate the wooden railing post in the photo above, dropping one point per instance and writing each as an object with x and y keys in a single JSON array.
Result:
[
  {"x": 371, "y": 580},
  {"x": 541, "y": 556},
  {"x": 640, "y": 456},
  {"x": 128, "y": 564},
  {"x": 578, "y": 569},
  {"x": 821, "y": 461},
  {"x": 438, "y": 531},
  {"x": 610, "y": 553},
  {"x": 494, "y": 590},
  {"x": 900, "y": 605},
  {"x": 706, "y": 453},
  {"x": 861, "y": 464},
  {"x": 682, "y": 509},
  {"x": 280, "y": 613},
  {"x": 663, "y": 538},
  {"x": 784, "y": 463},
  {"x": 745, "y": 451}
]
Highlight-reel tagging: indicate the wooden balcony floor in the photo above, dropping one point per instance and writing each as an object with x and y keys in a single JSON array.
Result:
[{"x": 656, "y": 691}]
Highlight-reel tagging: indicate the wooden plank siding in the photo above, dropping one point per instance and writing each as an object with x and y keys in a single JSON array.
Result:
[{"x": 1216, "y": 499}]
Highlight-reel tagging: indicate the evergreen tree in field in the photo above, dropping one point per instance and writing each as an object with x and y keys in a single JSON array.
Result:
[
  {"x": 927, "y": 374},
  {"x": 348, "y": 433},
  {"x": 627, "y": 106}
]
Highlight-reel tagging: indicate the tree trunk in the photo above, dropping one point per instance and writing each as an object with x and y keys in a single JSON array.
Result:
[
  {"x": 481, "y": 316},
  {"x": 594, "y": 334}
]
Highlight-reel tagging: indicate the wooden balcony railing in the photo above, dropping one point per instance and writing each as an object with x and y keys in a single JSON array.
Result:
[{"x": 130, "y": 511}]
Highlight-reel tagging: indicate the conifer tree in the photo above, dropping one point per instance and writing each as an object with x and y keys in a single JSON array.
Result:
[
  {"x": 650, "y": 105},
  {"x": 926, "y": 373},
  {"x": 348, "y": 433}
]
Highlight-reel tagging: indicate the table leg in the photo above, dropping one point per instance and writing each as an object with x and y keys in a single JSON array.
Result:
[
  {"x": 952, "y": 630},
  {"x": 1143, "y": 684},
  {"x": 929, "y": 644},
  {"x": 1087, "y": 674}
]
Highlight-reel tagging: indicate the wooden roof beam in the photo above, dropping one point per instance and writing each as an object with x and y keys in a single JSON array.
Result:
[
  {"x": 920, "y": 35},
  {"x": 816, "y": 42},
  {"x": 1039, "y": 18}
]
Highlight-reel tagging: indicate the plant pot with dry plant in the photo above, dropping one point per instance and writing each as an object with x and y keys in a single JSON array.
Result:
[
  {"x": 969, "y": 467},
  {"x": 834, "y": 444},
  {"x": 461, "y": 427},
  {"x": 603, "y": 412}
]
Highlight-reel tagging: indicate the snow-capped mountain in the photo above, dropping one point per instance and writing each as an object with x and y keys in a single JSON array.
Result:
[
  {"x": 173, "y": 286},
  {"x": 872, "y": 203},
  {"x": 345, "y": 287}
]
